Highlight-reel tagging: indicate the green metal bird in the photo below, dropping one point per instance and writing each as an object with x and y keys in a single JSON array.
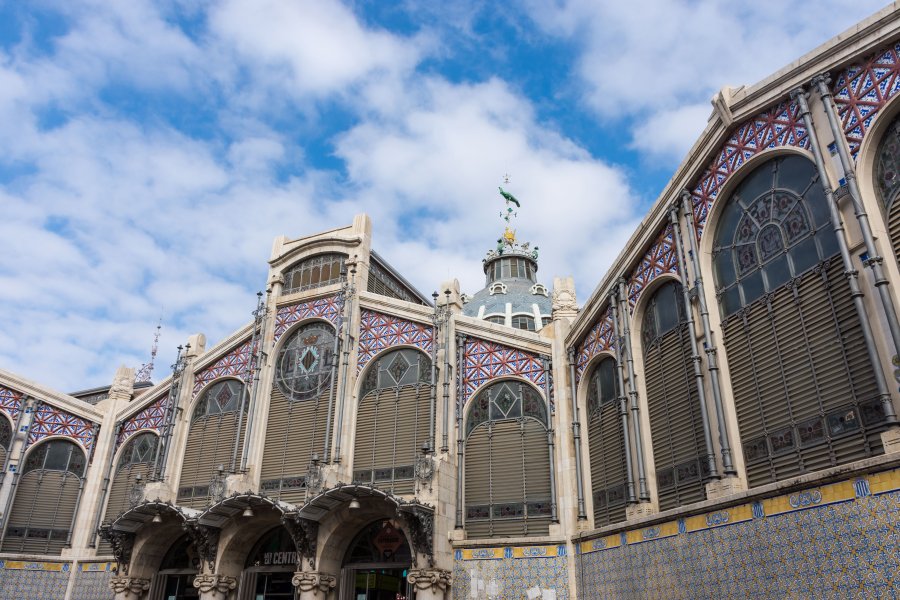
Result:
[{"x": 509, "y": 197}]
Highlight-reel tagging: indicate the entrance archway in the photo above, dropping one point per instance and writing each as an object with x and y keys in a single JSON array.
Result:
[
  {"x": 376, "y": 564},
  {"x": 175, "y": 578},
  {"x": 270, "y": 566}
]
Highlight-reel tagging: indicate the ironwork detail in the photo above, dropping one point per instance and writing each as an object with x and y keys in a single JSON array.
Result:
[
  {"x": 305, "y": 534},
  {"x": 122, "y": 543},
  {"x": 205, "y": 540},
  {"x": 136, "y": 493},
  {"x": 419, "y": 520}
]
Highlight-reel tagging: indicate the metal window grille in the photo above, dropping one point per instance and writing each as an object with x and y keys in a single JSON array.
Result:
[
  {"x": 298, "y": 411},
  {"x": 392, "y": 421},
  {"x": 507, "y": 466},
  {"x": 40, "y": 519},
  {"x": 803, "y": 387},
  {"x": 383, "y": 283},
  {"x": 523, "y": 322},
  {"x": 676, "y": 425},
  {"x": 607, "y": 445},
  {"x": 135, "y": 460},
  {"x": 210, "y": 440},
  {"x": 314, "y": 272}
]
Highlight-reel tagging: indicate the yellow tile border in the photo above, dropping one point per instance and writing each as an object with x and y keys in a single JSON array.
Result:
[
  {"x": 719, "y": 518},
  {"x": 603, "y": 543},
  {"x": 96, "y": 567},
  {"x": 885, "y": 481},
  {"x": 657, "y": 532},
  {"x": 482, "y": 553},
  {"x": 810, "y": 498},
  {"x": 535, "y": 551},
  {"x": 29, "y": 565}
]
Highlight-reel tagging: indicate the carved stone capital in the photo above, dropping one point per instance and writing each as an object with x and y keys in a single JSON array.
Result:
[
  {"x": 313, "y": 582},
  {"x": 214, "y": 587},
  {"x": 425, "y": 579},
  {"x": 128, "y": 588}
]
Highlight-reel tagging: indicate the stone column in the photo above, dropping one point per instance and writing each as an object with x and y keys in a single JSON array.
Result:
[
  {"x": 430, "y": 584},
  {"x": 129, "y": 588},
  {"x": 313, "y": 585},
  {"x": 214, "y": 587}
]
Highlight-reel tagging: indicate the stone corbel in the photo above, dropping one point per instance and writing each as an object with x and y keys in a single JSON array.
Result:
[
  {"x": 214, "y": 587},
  {"x": 437, "y": 580},
  {"x": 128, "y": 588},
  {"x": 305, "y": 533},
  {"x": 205, "y": 540},
  {"x": 122, "y": 543},
  {"x": 310, "y": 583}
]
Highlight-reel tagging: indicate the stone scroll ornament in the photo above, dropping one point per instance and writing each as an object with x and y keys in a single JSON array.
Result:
[
  {"x": 128, "y": 588},
  {"x": 424, "y": 579},
  {"x": 215, "y": 586},
  {"x": 307, "y": 581}
]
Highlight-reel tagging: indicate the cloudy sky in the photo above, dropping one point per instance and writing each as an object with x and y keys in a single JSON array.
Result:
[{"x": 151, "y": 151}]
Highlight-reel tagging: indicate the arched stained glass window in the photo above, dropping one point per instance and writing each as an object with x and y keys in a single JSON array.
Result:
[
  {"x": 887, "y": 165},
  {"x": 313, "y": 272},
  {"x": 393, "y": 420},
  {"x": 56, "y": 455},
  {"x": 221, "y": 397},
  {"x": 303, "y": 367},
  {"x": 507, "y": 462},
  {"x": 5, "y": 433},
  {"x": 775, "y": 226},
  {"x": 141, "y": 450},
  {"x": 803, "y": 387},
  {"x": 607, "y": 445}
]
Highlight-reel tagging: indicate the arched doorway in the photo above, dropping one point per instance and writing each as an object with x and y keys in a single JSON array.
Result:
[
  {"x": 175, "y": 579},
  {"x": 270, "y": 567},
  {"x": 376, "y": 564}
]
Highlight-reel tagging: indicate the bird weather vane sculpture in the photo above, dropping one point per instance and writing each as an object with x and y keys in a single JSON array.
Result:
[{"x": 508, "y": 239}]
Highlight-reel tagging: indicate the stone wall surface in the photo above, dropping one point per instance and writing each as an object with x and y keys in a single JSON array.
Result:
[
  {"x": 836, "y": 541},
  {"x": 511, "y": 572}
]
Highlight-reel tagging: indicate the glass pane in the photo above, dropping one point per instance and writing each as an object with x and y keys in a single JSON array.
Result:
[
  {"x": 842, "y": 421},
  {"x": 752, "y": 286},
  {"x": 887, "y": 165},
  {"x": 745, "y": 257},
  {"x": 608, "y": 380},
  {"x": 58, "y": 456},
  {"x": 746, "y": 231},
  {"x": 727, "y": 224},
  {"x": 777, "y": 272},
  {"x": 667, "y": 306},
  {"x": 804, "y": 255},
  {"x": 724, "y": 266},
  {"x": 796, "y": 224},
  {"x": 770, "y": 242},
  {"x": 731, "y": 300},
  {"x": 828, "y": 242}
]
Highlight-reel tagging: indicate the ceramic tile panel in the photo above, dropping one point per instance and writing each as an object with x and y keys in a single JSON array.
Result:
[
  {"x": 511, "y": 572},
  {"x": 92, "y": 581},
  {"x": 150, "y": 418},
  {"x": 235, "y": 364},
  {"x": 862, "y": 90},
  {"x": 49, "y": 420},
  {"x": 484, "y": 361},
  {"x": 10, "y": 402},
  {"x": 30, "y": 580},
  {"x": 660, "y": 258},
  {"x": 379, "y": 331},
  {"x": 600, "y": 338},
  {"x": 328, "y": 308}
]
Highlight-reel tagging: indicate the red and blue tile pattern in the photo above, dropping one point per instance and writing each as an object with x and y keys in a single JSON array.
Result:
[
  {"x": 484, "y": 361},
  {"x": 324, "y": 308},
  {"x": 779, "y": 126},
  {"x": 862, "y": 90},
  {"x": 378, "y": 331},
  {"x": 49, "y": 420},
  {"x": 660, "y": 258},
  {"x": 150, "y": 418},
  {"x": 10, "y": 402},
  {"x": 235, "y": 364},
  {"x": 600, "y": 338}
]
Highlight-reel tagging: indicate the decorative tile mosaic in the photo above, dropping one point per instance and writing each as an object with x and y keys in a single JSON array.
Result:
[
  {"x": 49, "y": 420},
  {"x": 862, "y": 90},
  {"x": 326, "y": 308},
  {"x": 236, "y": 363},
  {"x": 512, "y": 572},
  {"x": 660, "y": 258},
  {"x": 26, "y": 580},
  {"x": 10, "y": 402},
  {"x": 484, "y": 361},
  {"x": 150, "y": 418},
  {"x": 378, "y": 331},
  {"x": 92, "y": 581},
  {"x": 600, "y": 338},
  {"x": 836, "y": 541},
  {"x": 779, "y": 126}
]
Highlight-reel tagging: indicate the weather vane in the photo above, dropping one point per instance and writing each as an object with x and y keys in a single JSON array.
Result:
[
  {"x": 146, "y": 370},
  {"x": 509, "y": 234}
]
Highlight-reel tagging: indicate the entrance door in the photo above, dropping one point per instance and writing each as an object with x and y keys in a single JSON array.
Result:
[
  {"x": 378, "y": 584},
  {"x": 180, "y": 586},
  {"x": 274, "y": 586}
]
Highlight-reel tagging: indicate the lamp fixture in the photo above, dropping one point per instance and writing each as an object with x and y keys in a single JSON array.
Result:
[
  {"x": 248, "y": 512},
  {"x": 156, "y": 518},
  {"x": 354, "y": 504}
]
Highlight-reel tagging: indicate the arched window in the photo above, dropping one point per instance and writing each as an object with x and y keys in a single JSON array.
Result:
[
  {"x": 313, "y": 272},
  {"x": 393, "y": 423},
  {"x": 132, "y": 469},
  {"x": 212, "y": 439},
  {"x": 507, "y": 462},
  {"x": 300, "y": 410},
  {"x": 676, "y": 424},
  {"x": 498, "y": 319},
  {"x": 607, "y": 445},
  {"x": 525, "y": 322},
  {"x": 40, "y": 520},
  {"x": 5, "y": 438},
  {"x": 803, "y": 387},
  {"x": 887, "y": 180}
]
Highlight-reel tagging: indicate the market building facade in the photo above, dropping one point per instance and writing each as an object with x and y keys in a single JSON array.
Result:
[{"x": 719, "y": 419}]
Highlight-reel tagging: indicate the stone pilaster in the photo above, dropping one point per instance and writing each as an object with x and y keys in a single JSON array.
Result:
[
  {"x": 430, "y": 584},
  {"x": 214, "y": 587},
  {"x": 313, "y": 585},
  {"x": 129, "y": 588}
]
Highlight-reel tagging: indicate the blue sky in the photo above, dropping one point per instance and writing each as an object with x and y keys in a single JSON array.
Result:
[{"x": 153, "y": 150}]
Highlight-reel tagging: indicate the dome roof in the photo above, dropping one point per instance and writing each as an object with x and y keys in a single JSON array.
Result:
[{"x": 519, "y": 293}]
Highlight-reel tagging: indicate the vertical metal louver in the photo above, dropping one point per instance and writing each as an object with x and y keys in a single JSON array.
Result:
[
  {"x": 132, "y": 469},
  {"x": 299, "y": 408},
  {"x": 392, "y": 422},
  {"x": 804, "y": 389},
  {"x": 676, "y": 424},
  {"x": 507, "y": 464},
  {"x": 210, "y": 442},
  {"x": 607, "y": 445},
  {"x": 40, "y": 519}
]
